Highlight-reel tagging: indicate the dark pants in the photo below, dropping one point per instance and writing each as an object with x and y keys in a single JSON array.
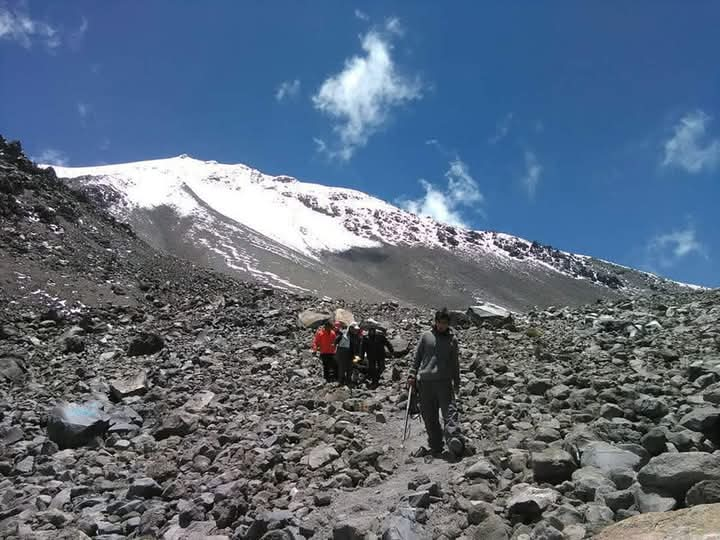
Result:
[
  {"x": 343, "y": 359},
  {"x": 376, "y": 365},
  {"x": 329, "y": 367},
  {"x": 436, "y": 396}
]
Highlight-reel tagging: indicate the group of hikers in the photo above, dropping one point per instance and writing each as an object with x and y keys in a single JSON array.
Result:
[
  {"x": 434, "y": 376},
  {"x": 342, "y": 346}
]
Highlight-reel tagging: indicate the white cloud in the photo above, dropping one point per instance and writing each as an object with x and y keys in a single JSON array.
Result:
[
  {"x": 361, "y": 97},
  {"x": 361, "y": 15},
  {"x": 51, "y": 156},
  {"x": 76, "y": 38},
  {"x": 668, "y": 249},
  {"x": 287, "y": 90},
  {"x": 533, "y": 170},
  {"x": 445, "y": 205},
  {"x": 83, "y": 109},
  {"x": 685, "y": 148},
  {"x": 17, "y": 25},
  {"x": 502, "y": 129}
]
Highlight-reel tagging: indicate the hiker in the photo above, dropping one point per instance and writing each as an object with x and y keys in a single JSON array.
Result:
[
  {"x": 348, "y": 347},
  {"x": 436, "y": 375},
  {"x": 373, "y": 347},
  {"x": 324, "y": 342}
]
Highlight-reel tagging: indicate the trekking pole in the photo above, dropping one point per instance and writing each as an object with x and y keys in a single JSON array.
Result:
[{"x": 406, "y": 428}]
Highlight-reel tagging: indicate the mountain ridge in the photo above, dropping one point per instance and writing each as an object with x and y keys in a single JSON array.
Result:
[{"x": 295, "y": 235}]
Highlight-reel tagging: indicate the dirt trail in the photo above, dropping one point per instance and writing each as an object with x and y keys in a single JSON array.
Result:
[{"x": 371, "y": 507}]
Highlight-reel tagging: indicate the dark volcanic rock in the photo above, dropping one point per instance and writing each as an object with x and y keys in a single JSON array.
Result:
[
  {"x": 71, "y": 425},
  {"x": 145, "y": 343}
]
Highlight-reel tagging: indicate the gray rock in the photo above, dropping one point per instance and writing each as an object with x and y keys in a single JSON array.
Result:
[
  {"x": 677, "y": 473},
  {"x": 132, "y": 385},
  {"x": 145, "y": 343},
  {"x": 649, "y": 500},
  {"x": 144, "y": 488},
  {"x": 420, "y": 499},
  {"x": 178, "y": 423},
  {"x": 481, "y": 469},
  {"x": 71, "y": 425},
  {"x": 651, "y": 407},
  {"x": 608, "y": 457},
  {"x": 312, "y": 319},
  {"x": 655, "y": 441},
  {"x": 479, "y": 512},
  {"x": 13, "y": 369},
  {"x": 493, "y": 528},
  {"x": 553, "y": 466},
  {"x": 538, "y": 387},
  {"x": 322, "y": 455},
  {"x": 544, "y": 531},
  {"x": 528, "y": 502},
  {"x": 615, "y": 500},
  {"x": 705, "y": 492},
  {"x": 704, "y": 419},
  {"x": 588, "y": 480}
]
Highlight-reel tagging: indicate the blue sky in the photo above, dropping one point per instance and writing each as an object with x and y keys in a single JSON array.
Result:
[{"x": 593, "y": 127}]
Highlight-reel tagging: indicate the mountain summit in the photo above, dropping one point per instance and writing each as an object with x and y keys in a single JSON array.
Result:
[{"x": 338, "y": 242}]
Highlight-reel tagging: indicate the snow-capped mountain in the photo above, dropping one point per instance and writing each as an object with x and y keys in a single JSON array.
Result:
[{"x": 334, "y": 241}]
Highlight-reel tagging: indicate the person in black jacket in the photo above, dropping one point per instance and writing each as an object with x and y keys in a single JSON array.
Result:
[{"x": 373, "y": 347}]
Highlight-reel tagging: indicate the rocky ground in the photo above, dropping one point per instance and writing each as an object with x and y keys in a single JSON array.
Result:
[{"x": 141, "y": 397}]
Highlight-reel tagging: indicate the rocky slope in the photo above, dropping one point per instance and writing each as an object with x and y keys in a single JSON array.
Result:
[
  {"x": 337, "y": 242},
  {"x": 142, "y": 397}
]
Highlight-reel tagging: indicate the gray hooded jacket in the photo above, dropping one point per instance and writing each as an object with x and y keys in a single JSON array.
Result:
[{"x": 436, "y": 358}]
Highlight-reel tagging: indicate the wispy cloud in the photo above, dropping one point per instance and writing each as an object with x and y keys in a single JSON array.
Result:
[
  {"x": 502, "y": 129},
  {"x": 77, "y": 37},
  {"x": 83, "y": 109},
  {"x": 686, "y": 148},
  {"x": 666, "y": 250},
  {"x": 533, "y": 170},
  {"x": 51, "y": 156},
  {"x": 446, "y": 204},
  {"x": 361, "y": 15},
  {"x": 17, "y": 25},
  {"x": 360, "y": 98},
  {"x": 287, "y": 90}
]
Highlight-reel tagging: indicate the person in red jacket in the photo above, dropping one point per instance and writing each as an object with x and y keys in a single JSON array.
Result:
[{"x": 324, "y": 342}]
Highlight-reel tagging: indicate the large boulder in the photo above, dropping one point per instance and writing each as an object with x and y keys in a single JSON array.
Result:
[
  {"x": 705, "y": 420},
  {"x": 344, "y": 316},
  {"x": 697, "y": 522},
  {"x": 71, "y": 425},
  {"x": 321, "y": 455},
  {"x": 179, "y": 423},
  {"x": 676, "y": 473},
  {"x": 312, "y": 319},
  {"x": 132, "y": 385},
  {"x": 608, "y": 457},
  {"x": 553, "y": 465},
  {"x": 706, "y": 492},
  {"x": 489, "y": 314}
]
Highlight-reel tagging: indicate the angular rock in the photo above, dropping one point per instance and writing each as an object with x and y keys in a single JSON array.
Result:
[
  {"x": 322, "y": 455},
  {"x": 705, "y": 492},
  {"x": 493, "y": 528},
  {"x": 144, "y": 488},
  {"x": 481, "y": 469},
  {"x": 703, "y": 419},
  {"x": 71, "y": 425},
  {"x": 588, "y": 480},
  {"x": 677, "y": 473},
  {"x": 651, "y": 407},
  {"x": 132, "y": 385},
  {"x": 552, "y": 466},
  {"x": 528, "y": 502},
  {"x": 608, "y": 457},
  {"x": 312, "y": 319},
  {"x": 179, "y": 423},
  {"x": 652, "y": 500}
]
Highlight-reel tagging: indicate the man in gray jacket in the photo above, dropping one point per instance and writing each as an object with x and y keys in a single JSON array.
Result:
[{"x": 436, "y": 370}]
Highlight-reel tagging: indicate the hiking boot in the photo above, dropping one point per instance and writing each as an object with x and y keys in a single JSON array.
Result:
[
  {"x": 421, "y": 452},
  {"x": 456, "y": 447}
]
